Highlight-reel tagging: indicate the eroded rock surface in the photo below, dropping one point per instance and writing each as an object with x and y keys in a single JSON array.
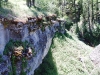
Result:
[
  {"x": 95, "y": 56},
  {"x": 40, "y": 40}
]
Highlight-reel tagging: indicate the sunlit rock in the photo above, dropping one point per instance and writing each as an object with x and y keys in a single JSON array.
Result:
[{"x": 95, "y": 56}]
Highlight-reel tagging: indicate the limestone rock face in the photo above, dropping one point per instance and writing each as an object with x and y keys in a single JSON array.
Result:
[
  {"x": 40, "y": 40},
  {"x": 2, "y": 38},
  {"x": 95, "y": 55}
]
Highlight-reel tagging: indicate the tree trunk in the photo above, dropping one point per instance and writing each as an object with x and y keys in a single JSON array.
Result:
[
  {"x": 0, "y": 3},
  {"x": 96, "y": 5},
  {"x": 89, "y": 20},
  {"x": 6, "y": 0},
  {"x": 75, "y": 11},
  {"x": 89, "y": 16},
  {"x": 92, "y": 14},
  {"x": 33, "y": 2},
  {"x": 96, "y": 8},
  {"x": 28, "y": 2},
  {"x": 74, "y": 3},
  {"x": 81, "y": 6}
]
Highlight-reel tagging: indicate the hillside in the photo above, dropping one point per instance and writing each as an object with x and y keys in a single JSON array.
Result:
[
  {"x": 19, "y": 9},
  {"x": 68, "y": 56}
]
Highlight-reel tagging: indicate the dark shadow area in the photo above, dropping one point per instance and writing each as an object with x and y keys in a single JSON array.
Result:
[
  {"x": 68, "y": 25},
  {"x": 3, "y": 2},
  {"x": 90, "y": 38},
  {"x": 37, "y": 8},
  {"x": 48, "y": 66},
  {"x": 30, "y": 3},
  {"x": 60, "y": 36},
  {"x": 68, "y": 36},
  {"x": 36, "y": 14},
  {"x": 63, "y": 36},
  {"x": 4, "y": 11}
]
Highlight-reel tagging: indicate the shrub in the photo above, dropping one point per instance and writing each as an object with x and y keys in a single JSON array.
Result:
[
  {"x": 9, "y": 48},
  {"x": 91, "y": 38},
  {"x": 11, "y": 44},
  {"x": 23, "y": 73},
  {"x": 1, "y": 60},
  {"x": 68, "y": 23}
]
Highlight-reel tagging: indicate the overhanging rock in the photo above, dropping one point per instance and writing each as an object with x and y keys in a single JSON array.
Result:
[{"x": 40, "y": 40}]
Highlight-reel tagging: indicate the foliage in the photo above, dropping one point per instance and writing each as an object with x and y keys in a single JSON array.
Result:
[
  {"x": 43, "y": 5},
  {"x": 77, "y": 29},
  {"x": 60, "y": 35},
  {"x": 1, "y": 59},
  {"x": 2, "y": 2},
  {"x": 49, "y": 6},
  {"x": 22, "y": 73},
  {"x": 9, "y": 49},
  {"x": 43, "y": 28},
  {"x": 63, "y": 59},
  {"x": 11, "y": 44},
  {"x": 89, "y": 38},
  {"x": 68, "y": 23},
  {"x": 24, "y": 65},
  {"x": 48, "y": 67},
  {"x": 13, "y": 65}
]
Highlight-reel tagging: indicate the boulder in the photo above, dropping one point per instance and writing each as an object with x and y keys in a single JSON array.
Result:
[{"x": 95, "y": 55}]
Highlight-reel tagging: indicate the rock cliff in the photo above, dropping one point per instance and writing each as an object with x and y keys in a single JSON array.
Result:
[{"x": 39, "y": 39}]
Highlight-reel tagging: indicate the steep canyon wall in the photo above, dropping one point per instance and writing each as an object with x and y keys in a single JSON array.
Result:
[{"x": 40, "y": 40}]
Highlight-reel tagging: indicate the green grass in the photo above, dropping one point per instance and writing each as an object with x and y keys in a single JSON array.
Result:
[
  {"x": 19, "y": 9},
  {"x": 67, "y": 56}
]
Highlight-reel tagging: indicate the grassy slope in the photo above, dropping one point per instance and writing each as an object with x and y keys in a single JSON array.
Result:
[
  {"x": 67, "y": 56},
  {"x": 19, "y": 9}
]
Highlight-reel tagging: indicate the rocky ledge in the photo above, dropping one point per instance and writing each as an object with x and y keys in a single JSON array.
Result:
[{"x": 40, "y": 39}]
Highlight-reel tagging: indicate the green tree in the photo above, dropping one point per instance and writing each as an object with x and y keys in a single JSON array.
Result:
[
  {"x": 0, "y": 2},
  {"x": 28, "y": 2},
  {"x": 33, "y": 2}
]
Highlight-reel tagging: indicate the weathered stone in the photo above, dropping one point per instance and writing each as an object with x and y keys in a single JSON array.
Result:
[
  {"x": 95, "y": 55},
  {"x": 2, "y": 38},
  {"x": 40, "y": 40}
]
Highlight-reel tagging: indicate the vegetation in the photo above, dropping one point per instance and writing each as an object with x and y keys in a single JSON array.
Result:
[
  {"x": 90, "y": 38},
  {"x": 1, "y": 59},
  {"x": 14, "y": 8},
  {"x": 13, "y": 58},
  {"x": 11, "y": 44},
  {"x": 9, "y": 50},
  {"x": 67, "y": 56},
  {"x": 82, "y": 17},
  {"x": 24, "y": 65}
]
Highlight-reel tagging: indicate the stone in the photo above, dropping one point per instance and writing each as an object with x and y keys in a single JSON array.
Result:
[
  {"x": 95, "y": 56},
  {"x": 40, "y": 40}
]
